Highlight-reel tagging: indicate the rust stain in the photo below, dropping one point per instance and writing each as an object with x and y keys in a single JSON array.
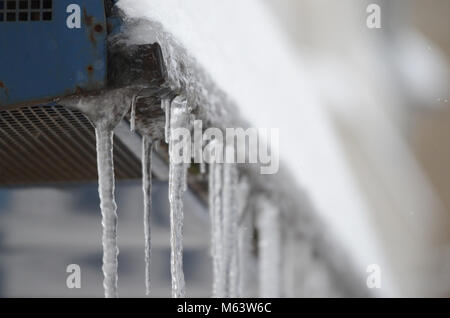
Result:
[
  {"x": 3, "y": 86},
  {"x": 90, "y": 72},
  {"x": 98, "y": 28},
  {"x": 109, "y": 27},
  {"x": 92, "y": 38},
  {"x": 78, "y": 90},
  {"x": 88, "y": 19}
]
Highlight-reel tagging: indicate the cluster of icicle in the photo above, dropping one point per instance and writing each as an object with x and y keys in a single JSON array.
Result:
[{"x": 231, "y": 237}]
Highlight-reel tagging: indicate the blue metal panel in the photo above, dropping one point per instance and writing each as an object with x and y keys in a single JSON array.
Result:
[{"x": 40, "y": 60}]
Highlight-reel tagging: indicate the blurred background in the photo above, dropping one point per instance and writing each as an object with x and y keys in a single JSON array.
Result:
[
  {"x": 44, "y": 230},
  {"x": 393, "y": 119},
  {"x": 387, "y": 93}
]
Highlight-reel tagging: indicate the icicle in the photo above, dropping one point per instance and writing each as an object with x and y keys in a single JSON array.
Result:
[
  {"x": 224, "y": 221},
  {"x": 291, "y": 254},
  {"x": 198, "y": 144},
  {"x": 147, "y": 147},
  {"x": 202, "y": 167},
  {"x": 108, "y": 207},
  {"x": 245, "y": 257},
  {"x": 215, "y": 206},
  {"x": 212, "y": 215},
  {"x": 230, "y": 220},
  {"x": 244, "y": 238},
  {"x": 133, "y": 114},
  {"x": 179, "y": 118},
  {"x": 269, "y": 249},
  {"x": 165, "y": 105},
  {"x": 218, "y": 232},
  {"x": 106, "y": 111}
]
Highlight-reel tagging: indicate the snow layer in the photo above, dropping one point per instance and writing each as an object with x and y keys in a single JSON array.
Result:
[{"x": 248, "y": 58}]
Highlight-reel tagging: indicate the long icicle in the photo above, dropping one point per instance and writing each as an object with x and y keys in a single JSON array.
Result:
[
  {"x": 108, "y": 206},
  {"x": 216, "y": 225},
  {"x": 243, "y": 237},
  {"x": 230, "y": 221},
  {"x": 147, "y": 147},
  {"x": 212, "y": 215},
  {"x": 133, "y": 113},
  {"x": 269, "y": 249},
  {"x": 179, "y": 118},
  {"x": 216, "y": 230},
  {"x": 165, "y": 105},
  {"x": 105, "y": 112}
]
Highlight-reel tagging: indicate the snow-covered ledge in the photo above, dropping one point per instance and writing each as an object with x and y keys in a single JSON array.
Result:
[{"x": 236, "y": 71}]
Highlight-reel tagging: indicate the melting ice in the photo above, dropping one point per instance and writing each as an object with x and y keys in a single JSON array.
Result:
[
  {"x": 106, "y": 111},
  {"x": 108, "y": 207},
  {"x": 269, "y": 249},
  {"x": 223, "y": 184},
  {"x": 179, "y": 118},
  {"x": 147, "y": 147},
  {"x": 215, "y": 208}
]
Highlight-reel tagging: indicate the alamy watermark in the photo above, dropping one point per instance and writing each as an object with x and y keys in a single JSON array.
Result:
[
  {"x": 373, "y": 280},
  {"x": 374, "y": 18},
  {"x": 231, "y": 145},
  {"x": 73, "y": 280}
]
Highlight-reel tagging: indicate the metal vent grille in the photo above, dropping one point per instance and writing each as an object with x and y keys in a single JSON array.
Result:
[
  {"x": 46, "y": 144},
  {"x": 26, "y": 10}
]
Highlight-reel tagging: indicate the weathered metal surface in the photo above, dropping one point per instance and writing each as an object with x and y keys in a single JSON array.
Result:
[
  {"x": 43, "y": 59},
  {"x": 41, "y": 144},
  {"x": 135, "y": 65},
  {"x": 47, "y": 144}
]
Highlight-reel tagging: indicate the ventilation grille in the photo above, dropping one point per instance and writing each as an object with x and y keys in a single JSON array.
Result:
[
  {"x": 26, "y": 10},
  {"x": 47, "y": 144}
]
